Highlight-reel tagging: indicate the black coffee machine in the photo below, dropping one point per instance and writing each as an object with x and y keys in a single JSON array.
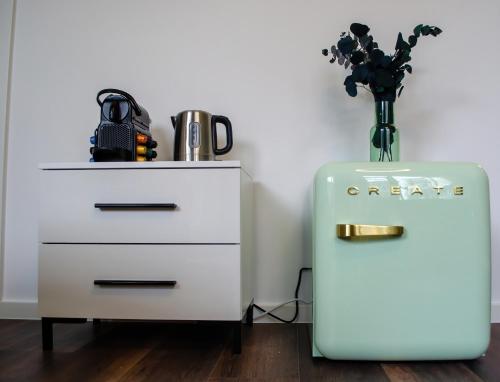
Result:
[{"x": 123, "y": 133}]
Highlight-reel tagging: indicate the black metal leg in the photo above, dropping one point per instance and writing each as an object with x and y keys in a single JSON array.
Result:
[
  {"x": 96, "y": 325},
  {"x": 237, "y": 337},
  {"x": 47, "y": 334},
  {"x": 249, "y": 315}
]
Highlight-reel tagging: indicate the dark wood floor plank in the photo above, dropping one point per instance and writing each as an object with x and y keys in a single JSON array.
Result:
[
  {"x": 400, "y": 373},
  {"x": 187, "y": 353},
  {"x": 488, "y": 367},
  {"x": 321, "y": 369},
  {"x": 9, "y": 325},
  {"x": 269, "y": 353},
  {"x": 98, "y": 364},
  {"x": 115, "y": 349},
  {"x": 429, "y": 371},
  {"x": 146, "y": 351},
  {"x": 19, "y": 335},
  {"x": 29, "y": 363},
  {"x": 27, "y": 336},
  {"x": 29, "y": 366}
]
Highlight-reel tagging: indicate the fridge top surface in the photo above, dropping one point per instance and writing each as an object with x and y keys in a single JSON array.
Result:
[{"x": 396, "y": 167}]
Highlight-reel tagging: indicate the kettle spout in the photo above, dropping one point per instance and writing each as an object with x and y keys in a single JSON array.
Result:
[{"x": 173, "y": 119}]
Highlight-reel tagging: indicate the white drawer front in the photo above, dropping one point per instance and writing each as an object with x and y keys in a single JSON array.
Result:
[
  {"x": 207, "y": 281},
  {"x": 208, "y": 206}
]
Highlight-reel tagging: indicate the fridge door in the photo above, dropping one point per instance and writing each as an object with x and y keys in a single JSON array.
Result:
[{"x": 417, "y": 288}]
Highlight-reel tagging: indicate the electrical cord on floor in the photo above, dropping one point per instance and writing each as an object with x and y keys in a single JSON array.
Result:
[
  {"x": 296, "y": 299},
  {"x": 281, "y": 305}
]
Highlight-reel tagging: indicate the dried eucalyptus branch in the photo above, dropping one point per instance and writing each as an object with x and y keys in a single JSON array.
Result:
[{"x": 370, "y": 65}]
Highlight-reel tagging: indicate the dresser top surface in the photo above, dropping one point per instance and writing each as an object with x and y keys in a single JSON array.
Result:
[{"x": 139, "y": 165}]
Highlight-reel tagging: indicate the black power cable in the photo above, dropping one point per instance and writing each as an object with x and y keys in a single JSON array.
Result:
[{"x": 296, "y": 301}]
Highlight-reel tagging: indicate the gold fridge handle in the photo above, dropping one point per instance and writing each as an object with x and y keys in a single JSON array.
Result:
[{"x": 365, "y": 231}]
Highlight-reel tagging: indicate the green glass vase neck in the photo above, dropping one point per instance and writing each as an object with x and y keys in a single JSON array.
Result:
[
  {"x": 384, "y": 136},
  {"x": 384, "y": 112}
]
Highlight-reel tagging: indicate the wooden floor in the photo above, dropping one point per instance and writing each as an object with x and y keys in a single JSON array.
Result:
[{"x": 176, "y": 352}]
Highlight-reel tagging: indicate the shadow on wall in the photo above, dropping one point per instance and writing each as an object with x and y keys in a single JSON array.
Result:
[
  {"x": 307, "y": 245},
  {"x": 422, "y": 124},
  {"x": 418, "y": 134},
  {"x": 284, "y": 234},
  {"x": 244, "y": 152},
  {"x": 165, "y": 140},
  {"x": 349, "y": 119}
]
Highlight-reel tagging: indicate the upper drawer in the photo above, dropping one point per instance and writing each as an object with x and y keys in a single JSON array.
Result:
[{"x": 207, "y": 200}]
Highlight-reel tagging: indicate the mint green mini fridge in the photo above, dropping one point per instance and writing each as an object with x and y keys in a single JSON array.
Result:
[{"x": 401, "y": 263}]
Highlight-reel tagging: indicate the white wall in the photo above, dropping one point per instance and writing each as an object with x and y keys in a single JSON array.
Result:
[
  {"x": 259, "y": 63},
  {"x": 6, "y": 19}
]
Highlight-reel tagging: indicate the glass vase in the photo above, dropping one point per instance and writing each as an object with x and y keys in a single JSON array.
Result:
[{"x": 384, "y": 136}]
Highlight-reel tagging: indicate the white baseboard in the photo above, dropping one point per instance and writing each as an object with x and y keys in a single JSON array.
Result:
[
  {"x": 305, "y": 313},
  {"x": 29, "y": 311},
  {"x": 26, "y": 310}
]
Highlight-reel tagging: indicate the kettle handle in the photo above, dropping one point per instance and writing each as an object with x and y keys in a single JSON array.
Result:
[{"x": 229, "y": 134}]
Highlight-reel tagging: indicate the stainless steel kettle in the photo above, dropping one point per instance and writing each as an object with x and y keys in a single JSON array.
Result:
[{"x": 196, "y": 135}]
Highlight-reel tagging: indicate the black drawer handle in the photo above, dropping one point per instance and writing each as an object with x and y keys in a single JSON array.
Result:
[
  {"x": 136, "y": 206},
  {"x": 138, "y": 283}
]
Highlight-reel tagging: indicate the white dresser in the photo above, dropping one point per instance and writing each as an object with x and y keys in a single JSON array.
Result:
[{"x": 145, "y": 240}]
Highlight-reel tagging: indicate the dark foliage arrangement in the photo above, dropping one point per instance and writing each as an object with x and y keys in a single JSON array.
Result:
[{"x": 370, "y": 65}]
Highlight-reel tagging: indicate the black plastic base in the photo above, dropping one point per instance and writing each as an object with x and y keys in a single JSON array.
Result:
[
  {"x": 248, "y": 318},
  {"x": 48, "y": 333}
]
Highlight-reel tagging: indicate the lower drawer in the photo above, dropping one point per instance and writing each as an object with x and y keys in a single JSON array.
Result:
[{"x": 207, "y": 281}]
